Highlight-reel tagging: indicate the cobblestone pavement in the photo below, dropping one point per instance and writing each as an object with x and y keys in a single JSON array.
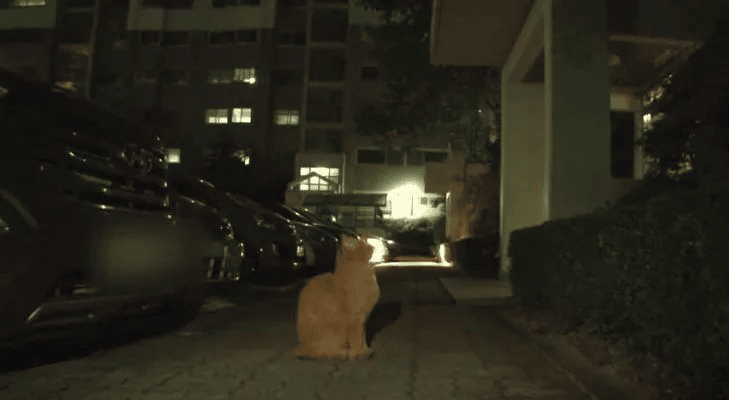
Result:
[{"x": 426, "y": 347}]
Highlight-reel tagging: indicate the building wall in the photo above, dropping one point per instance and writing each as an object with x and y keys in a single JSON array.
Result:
[
  {"x": 556, "y": 137},
  {"x": 290, "y": 75},
  {"x": 41, "y": 17},
  {"x": 523, "y": 193},
  {"x": 30, "y": 59},
  {"x": 202, "y": 16}
]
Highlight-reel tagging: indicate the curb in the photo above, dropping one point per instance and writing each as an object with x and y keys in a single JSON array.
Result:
[{"x": 596, "y": 382}]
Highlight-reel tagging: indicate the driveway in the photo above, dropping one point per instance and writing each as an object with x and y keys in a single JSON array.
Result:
[{"x": 427, "y": 346}]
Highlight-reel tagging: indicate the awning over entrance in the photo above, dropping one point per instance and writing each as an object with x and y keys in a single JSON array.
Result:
[{"x": 360, "y": 200}]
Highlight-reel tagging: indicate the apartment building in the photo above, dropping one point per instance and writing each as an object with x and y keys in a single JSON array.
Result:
[{"x": 282, "y": 79}]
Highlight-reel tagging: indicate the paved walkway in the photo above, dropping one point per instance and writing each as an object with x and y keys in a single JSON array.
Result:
[{"x": 426, "y": 347}]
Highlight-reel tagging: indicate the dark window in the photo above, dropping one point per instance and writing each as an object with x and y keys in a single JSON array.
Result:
[
  {"x": 224, "y": 3},
  {"x": 250, "y": 2},
  {"x": 370, "y": 73},
  {"x": 148, "y": 75},
  {"x": 340, "y": 2},
  {"x": 329, "y": 141},
  {"x": 436, "y": 156},
  {"x": 327, "y": 65},
  {"x": 67, "y": 74},
  {"x": 324, "y": 114},
  {"x": 149, "y": 37},
  {"x": 121, "y": 40},
  {"x": 76, "y": 28},
  {"x": 177, "y": 77},
  {"x": 111, "y": 79},
  {"x": 171, "y": 38},
  {"x": 21, "y": 36},
  {"x": 299, "y": 39},
  {"x": 222, "y": 38},
  {"x": 288, "y": 77},
  {"x": 329, "y": 25},
  {"x": 81, "y": 3},
  {"x": 367, "y": 156},
  {"x": 153, "y": 3},
  {"x": 622, "y": 144},
  {"x": 292, "y": 38},
  {"x": 167, "y": 3},
  {"x": 247, "y": 36},
  {"x": 179, "y": 3},
  {"x": 293, "y": 3},
  {"x": 415, "y": 157},
  {"x": 395, "y": 157}
]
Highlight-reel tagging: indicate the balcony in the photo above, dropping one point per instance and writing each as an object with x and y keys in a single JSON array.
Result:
[
  {"x": 324, "y": 114},
  {"x": 327, "y": 65}
]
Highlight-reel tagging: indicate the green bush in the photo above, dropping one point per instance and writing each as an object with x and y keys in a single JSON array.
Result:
[
  {"x": 411, "y": 231},
  {"x": 652, "y": 274}
]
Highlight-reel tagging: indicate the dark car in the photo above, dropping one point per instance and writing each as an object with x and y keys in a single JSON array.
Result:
[
  {"x": 86, "y": 228},
  {"x": 282, "y": 246},
  {"x": 321, "y": 243},
  {"x": 226, "y": 255},
  {"x": 274, "y": 249}
]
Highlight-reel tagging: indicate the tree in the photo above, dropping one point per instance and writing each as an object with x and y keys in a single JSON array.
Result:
[
  {"x": 689, "y": 139},
  {"x": 421, "y": 95}
]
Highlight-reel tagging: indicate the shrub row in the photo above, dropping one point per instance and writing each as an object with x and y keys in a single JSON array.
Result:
[{"x": 652, "y": 275}]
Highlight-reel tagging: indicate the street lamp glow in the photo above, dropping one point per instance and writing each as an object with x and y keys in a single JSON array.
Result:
[{"x": 402, "y": 201}]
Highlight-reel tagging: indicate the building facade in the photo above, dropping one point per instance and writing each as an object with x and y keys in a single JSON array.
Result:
[
  {"x": 573, "y": 77},
  {"x": 283, "y": 80}
]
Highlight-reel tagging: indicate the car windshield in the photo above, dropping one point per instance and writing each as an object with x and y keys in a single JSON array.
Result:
[{"x": 292, "y": 214}]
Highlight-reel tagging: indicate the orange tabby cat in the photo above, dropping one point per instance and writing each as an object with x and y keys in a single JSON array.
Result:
[{"x": 333, "y": 308}]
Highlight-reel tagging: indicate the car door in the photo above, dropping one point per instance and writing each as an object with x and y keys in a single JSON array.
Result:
[{"x": 21, "y": 289}]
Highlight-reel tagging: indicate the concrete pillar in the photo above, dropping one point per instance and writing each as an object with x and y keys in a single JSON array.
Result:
[
  {"x": 577, "y": 104},
  {"x": 522, "y": 162}
]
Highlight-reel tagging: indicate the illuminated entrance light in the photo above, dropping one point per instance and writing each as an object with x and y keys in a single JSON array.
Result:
[{"x": 405, "y": 202}]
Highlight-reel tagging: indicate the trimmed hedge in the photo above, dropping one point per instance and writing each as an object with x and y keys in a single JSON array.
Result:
[{"x": 652, "y": 275}]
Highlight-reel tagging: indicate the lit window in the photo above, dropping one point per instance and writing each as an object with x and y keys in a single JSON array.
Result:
[
  {"x": 287, "y": 117},
  {"x": 27, "y": 3},
  {"x": 216, "y": 116},
  {"x": 242, "y": 115},
  {"x": 220, "y": 76},
  {"x": 317, "y": 184},
  {"x": 246, "y": 75},
  {"x": 173, "y": 156}
]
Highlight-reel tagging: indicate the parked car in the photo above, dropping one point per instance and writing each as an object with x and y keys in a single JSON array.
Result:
[
  {"x": 274, "y": 250},
  {"x": 282, "y": 245},
  {"x": 87, "y": 233},
  {"x": 380, "y": 244},
  {"x": 226, "y": 255},
  {"x": 320, "y": 243},
  {"x": 332, "y": 227}
]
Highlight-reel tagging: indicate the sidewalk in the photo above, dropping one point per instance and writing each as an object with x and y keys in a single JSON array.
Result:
[{"x": 427, "y": 347}]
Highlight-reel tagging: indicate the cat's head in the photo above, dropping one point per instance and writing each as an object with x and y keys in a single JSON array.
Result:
[{"x": 352, "y": 248}]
